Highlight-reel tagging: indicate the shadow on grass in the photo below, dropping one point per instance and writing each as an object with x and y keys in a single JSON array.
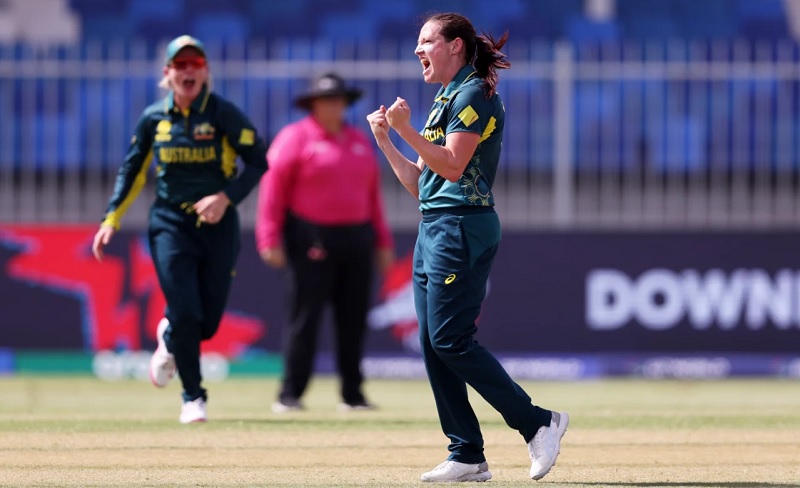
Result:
[{"x": 328, "y": 423}]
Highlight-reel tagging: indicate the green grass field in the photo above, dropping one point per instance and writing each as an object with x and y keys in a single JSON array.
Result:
[{"x": 79, "y": 431}]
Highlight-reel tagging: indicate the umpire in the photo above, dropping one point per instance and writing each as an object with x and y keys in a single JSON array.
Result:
[
  {"x": 193, "y": 137},
  {"x": 320, "y": 213}
]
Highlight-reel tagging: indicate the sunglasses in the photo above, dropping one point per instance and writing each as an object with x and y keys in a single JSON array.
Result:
[{"x": 183, "y": 63}]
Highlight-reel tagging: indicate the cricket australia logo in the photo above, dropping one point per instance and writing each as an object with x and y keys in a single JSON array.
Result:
[
  {"x": 470, "y": 182},
  {"x": 163, "y": 131},
  {"x": 203, "y": 132}
]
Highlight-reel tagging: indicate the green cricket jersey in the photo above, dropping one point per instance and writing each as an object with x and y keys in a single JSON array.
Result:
[
  {"x": 462, "y": 107},
  {"x": 194, "y": 154}
]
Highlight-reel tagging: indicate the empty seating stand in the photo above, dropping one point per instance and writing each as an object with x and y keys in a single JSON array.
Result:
[{"x": 366, "y": 19}]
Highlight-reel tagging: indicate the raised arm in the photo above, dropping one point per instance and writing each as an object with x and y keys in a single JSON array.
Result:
[
  {"x": 448, "y": 161},
  {"x": 406, "y": 170}
]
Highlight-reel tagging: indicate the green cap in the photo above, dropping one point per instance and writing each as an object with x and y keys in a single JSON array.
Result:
[{"x": 181, "y": 42}]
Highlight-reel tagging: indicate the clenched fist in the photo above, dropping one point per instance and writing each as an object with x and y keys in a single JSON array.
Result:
[
  {"x": 399, "y": 114},
  {"x": 378, "y": 124}
]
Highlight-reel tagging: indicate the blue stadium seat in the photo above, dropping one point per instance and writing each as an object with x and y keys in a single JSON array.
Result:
[
  {"x": 221, "y": 26},
  {"x": 99, "y": 7},
  {"x": 581, "y": 29},
  {"x": 762, "y": 19},
  {"x": 209, "y": 6},
  {"x": 463, "y": 6},
  {"x": 272, "y": 20},
  {"x": 391, "y": 9},
  {"x": 107, "y": 27},
  {"x": 545, "y": 20},
  {"x": 531, "y": 28},
  {"x": 274, "y": 10},
  {"x": 492, "y": 16},
  {"x": 552, "y": 19},
  {"x": 336, "y": 5},
  {"x": 768, "y": 9},
  {"x": 161, "y": 30},
  {"x": 648, "y": 20},
  {"x": 651, "y": 27},
  {"x": 764, "y": 29},
  {"x": 348, "y": 26},
  {"x": 145, "y": 10},
  {"x": 557, "y": 11},
  {"x": 709, "y": 19},
  {"x": 398, "y": 29}
]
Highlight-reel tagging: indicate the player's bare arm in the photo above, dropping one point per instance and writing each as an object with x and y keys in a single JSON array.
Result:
[
  {"x": 101, "y": 240},
  {"x": 406, "y": 170},
  {"x": 448, "y": 161}
]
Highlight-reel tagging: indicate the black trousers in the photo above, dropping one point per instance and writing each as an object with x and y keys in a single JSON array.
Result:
[
  {"x": 328, "y": 265},
  {"x": 195, "y": 267}
]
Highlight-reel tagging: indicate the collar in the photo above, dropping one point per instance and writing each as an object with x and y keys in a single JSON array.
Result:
[
  {"x": 446, "y": 92},
  {"x": 316, "y": 130},
  {"x": 198, "y": 105}
]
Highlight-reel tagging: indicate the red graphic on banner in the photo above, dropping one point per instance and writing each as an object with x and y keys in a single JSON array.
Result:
[
  {"x": 60, "y": 258},
  {"x": 396, "y": 310}
]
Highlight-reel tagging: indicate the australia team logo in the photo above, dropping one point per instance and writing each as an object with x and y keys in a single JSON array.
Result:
[{"x": 203, "y": 132}]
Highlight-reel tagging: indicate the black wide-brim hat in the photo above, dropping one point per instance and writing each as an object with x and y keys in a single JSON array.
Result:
[{"x": 327, "y": 85}]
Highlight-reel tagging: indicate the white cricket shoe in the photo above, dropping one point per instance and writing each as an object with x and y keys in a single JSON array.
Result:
[
  {"x": 287, "y": 405},
  {"x": 546, "y": 444},
  {"x": 364, "y": 406},
  {"x": 194, "y": 411},
  {"x": 452, "y": 471},
  {"x": 162, "y": 363}
]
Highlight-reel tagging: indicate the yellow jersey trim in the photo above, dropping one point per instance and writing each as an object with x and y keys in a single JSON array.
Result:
[
  {"x": 490, "y": 126},
  {"x": 114, "y": 217},
  {"x": 247, "y": 137},
  {"x": 228, "y": 158},
  {"x": 468, "y": 116},
  {"x": 205, "y": 100}
]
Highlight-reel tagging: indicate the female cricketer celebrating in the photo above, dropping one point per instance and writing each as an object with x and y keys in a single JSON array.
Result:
[
  {"x": 459, "y": 150},
  {"x": 193, "y": 136}
]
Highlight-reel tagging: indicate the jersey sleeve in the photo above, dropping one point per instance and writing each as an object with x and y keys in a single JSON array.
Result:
[
  {"x": 132, "y": 174},
  {"x": 469, "y": 111},
  {"x": 245, "y": 141}
]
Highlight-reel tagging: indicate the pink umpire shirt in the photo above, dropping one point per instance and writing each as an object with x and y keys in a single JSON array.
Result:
[{"x": 321, "y": 178}]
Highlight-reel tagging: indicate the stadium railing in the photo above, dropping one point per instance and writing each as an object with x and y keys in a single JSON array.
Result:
[{"x": 611, "y": 136}]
